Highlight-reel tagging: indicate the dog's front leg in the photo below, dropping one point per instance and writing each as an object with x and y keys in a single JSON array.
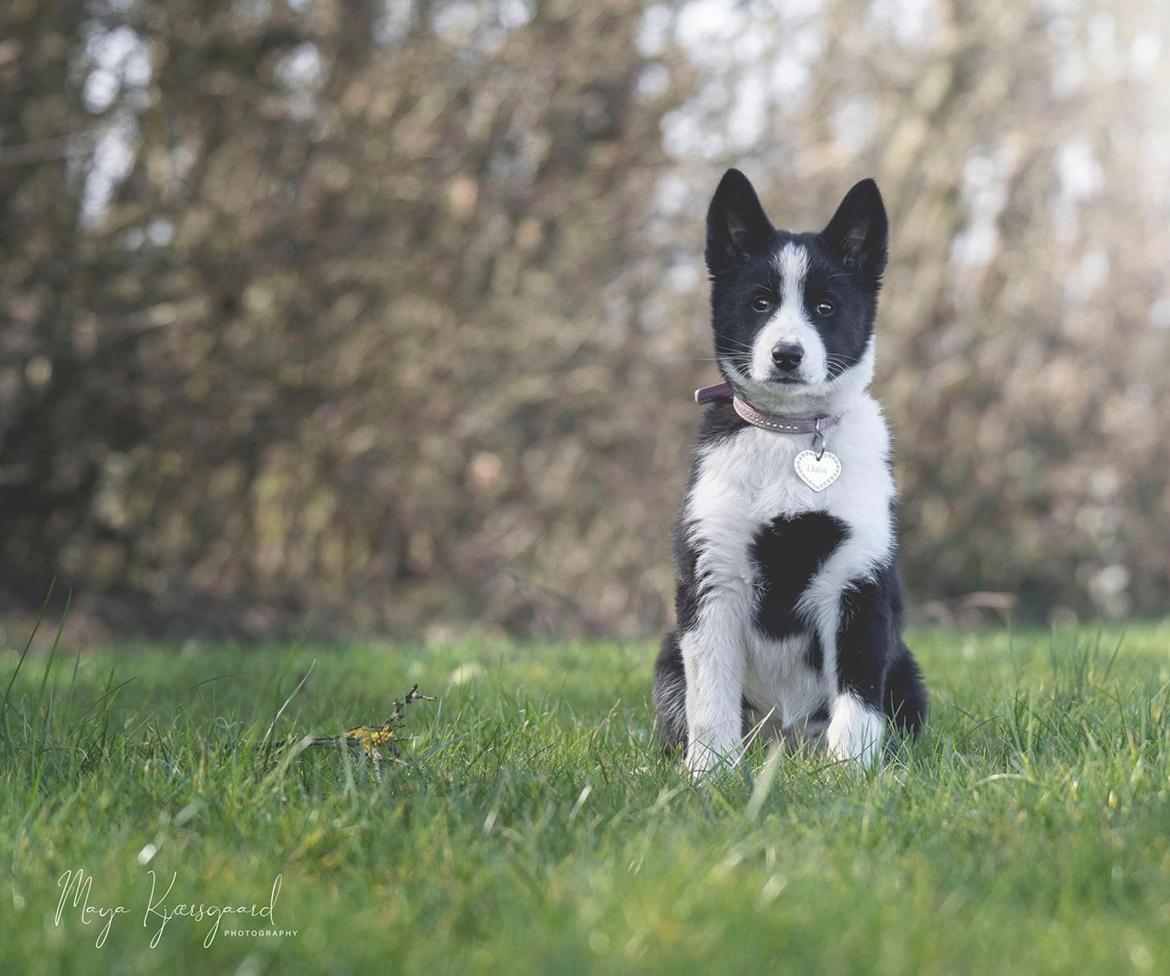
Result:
[
  {"x": 862, "y": 646},
  {"x": 713, "y": 659}
]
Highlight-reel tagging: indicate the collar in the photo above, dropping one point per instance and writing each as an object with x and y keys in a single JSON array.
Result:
[{"x": 765, "y": 421}]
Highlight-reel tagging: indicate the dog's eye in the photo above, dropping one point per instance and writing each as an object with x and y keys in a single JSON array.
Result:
[
  {"x": 824, "y": 308},
  {"x": 761, "y": 303}
]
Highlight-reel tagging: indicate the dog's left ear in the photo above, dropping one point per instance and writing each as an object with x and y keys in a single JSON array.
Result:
[
  {"x": 859, "y": 231},
  {"x": 737, "y": 226}
]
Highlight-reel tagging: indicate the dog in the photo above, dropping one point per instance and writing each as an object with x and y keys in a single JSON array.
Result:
[{"x": 789, "y": 600}]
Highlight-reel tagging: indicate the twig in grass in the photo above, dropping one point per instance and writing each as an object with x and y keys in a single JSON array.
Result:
[{"x": 371, "y": 739}]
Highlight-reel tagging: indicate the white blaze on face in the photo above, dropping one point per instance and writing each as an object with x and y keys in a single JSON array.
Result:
[{"x": 790, "y": 323}]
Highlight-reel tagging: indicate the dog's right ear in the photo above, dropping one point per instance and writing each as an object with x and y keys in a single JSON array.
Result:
[{"x": 736, "y": 223}]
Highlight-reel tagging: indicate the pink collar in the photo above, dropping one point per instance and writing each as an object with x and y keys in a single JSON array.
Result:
[{"x": 765, "y": 421}]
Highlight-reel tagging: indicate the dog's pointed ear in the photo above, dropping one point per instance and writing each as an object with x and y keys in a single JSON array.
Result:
[
  {"x": 859, "y": 231},
  {"x": 736, "y": 223}
]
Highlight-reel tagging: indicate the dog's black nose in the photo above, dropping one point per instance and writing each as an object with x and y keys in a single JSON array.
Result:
[{"x": 787, "y": 355}]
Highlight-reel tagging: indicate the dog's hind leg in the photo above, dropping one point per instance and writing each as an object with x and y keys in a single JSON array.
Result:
[
  {"x": 905, "y": 697},
  {"x": 670, "y": 694}
]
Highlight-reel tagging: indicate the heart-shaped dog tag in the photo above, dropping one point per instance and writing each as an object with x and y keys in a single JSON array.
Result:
[{"x": 818, "y": 473}]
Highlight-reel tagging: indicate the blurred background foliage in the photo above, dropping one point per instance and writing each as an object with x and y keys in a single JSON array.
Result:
[{"x": 385, "y": 314}]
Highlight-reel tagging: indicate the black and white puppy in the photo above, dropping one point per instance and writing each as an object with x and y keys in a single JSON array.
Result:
[{"x": 789, "y": 600}]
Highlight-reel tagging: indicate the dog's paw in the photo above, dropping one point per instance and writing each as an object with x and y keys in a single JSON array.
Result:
[
  {"x": 855, "y": 731},
  {"x": 701, "y": 761}
]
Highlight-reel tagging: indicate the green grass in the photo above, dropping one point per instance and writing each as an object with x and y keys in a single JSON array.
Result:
[{"x": 534, "y": 827}]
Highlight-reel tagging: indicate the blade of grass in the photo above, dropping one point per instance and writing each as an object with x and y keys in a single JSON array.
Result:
[{"x": 24, "y": 653}]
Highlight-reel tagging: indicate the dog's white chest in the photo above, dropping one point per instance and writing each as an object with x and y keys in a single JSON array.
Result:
[{"x": 750, "y": 477}]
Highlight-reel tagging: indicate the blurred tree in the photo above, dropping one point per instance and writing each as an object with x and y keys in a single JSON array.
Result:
[
  {"x": 330, "y": 288},
  {"x": 387, "y": 313}
]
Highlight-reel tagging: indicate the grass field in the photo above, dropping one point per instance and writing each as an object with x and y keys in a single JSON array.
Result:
[{"x": 534, "y": 827}]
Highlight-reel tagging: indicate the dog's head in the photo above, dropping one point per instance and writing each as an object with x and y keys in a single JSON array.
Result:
[{"x": 793, "y": 314}]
